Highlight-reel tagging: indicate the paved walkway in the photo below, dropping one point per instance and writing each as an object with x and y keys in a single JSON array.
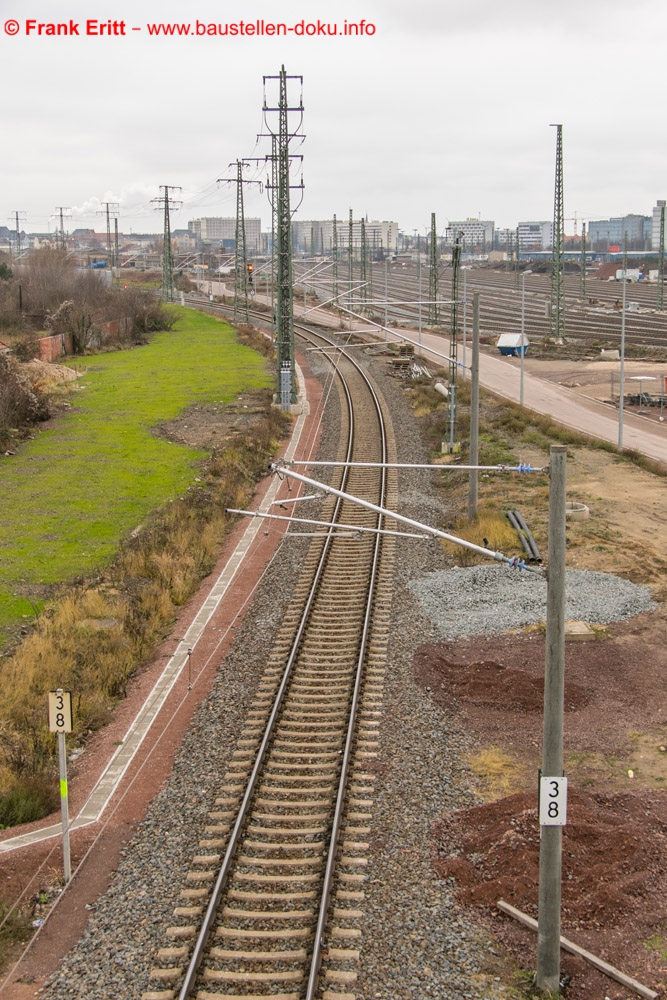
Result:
[{"x": 502, "y": 376}]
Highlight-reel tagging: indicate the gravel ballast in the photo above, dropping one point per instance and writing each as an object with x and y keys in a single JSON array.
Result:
[{"x": 417, "y": 942}]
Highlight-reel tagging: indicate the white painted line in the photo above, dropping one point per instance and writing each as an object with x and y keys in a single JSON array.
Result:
[{"x": 122, "y": 758}]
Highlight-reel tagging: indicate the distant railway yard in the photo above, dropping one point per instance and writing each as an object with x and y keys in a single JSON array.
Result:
[
  {"x": 339, "y": 786},
  {"x": 591, "y": 322}
]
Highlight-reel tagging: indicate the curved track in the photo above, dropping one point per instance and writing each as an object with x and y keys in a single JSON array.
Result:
[{"x": 271, "y": 907}]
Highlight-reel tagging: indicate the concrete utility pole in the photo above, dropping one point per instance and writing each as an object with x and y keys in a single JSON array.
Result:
[
  {"x": 558, "y": 246},
  {"x": 165, "y": 203},
  {"x": 548, "y": 933},
  {"x": 473, "y": 477}
]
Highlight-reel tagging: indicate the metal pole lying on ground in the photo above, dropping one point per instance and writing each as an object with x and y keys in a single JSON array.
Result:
[
  {"x": 548, "y": 934},
  {"x": 473, "y": 478}
]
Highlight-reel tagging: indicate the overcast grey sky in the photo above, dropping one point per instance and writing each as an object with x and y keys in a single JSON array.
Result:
[{"x": 445, "y": 108}]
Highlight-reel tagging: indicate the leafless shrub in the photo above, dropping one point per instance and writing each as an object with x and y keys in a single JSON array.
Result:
[{"x": 19, "y": 403}]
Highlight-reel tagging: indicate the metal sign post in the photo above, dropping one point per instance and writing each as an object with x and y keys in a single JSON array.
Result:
[
  {"x": 554, "y": 791},
  {"x": 60, "y": 722}
]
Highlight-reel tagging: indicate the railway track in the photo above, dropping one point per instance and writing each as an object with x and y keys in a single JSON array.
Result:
[
  {"x": 500, "y": 304},
  {"x": 273, "y": 903}
]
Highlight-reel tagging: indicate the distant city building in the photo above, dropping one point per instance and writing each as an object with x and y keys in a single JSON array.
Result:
[
  {"x": 215, "y": 229},
  {"x": 503, "y": 239},
  {"x": 477, "y": 234},
  {"x": 316, "y": 236},
  {"x": 603, "y": 233},
  {"x": 535, "y": 236},
  {"x": 183, "y": 240},
  {"x": 655, "y": 225}
]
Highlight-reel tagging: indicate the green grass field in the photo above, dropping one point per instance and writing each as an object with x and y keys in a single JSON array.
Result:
[{"x": 69, "y": 495}]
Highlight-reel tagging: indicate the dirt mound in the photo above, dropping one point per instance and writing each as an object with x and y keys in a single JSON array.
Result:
[
  {"x": 49, "y": 374},
  {"x": 613, "y": 864},
  {"x": 490, "y": 683}
]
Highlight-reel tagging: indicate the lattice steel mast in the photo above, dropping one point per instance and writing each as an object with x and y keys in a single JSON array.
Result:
[
  {"x": 557, "y": 276},
  {"x": 60, "y": 234},
  {"x": 242, "y": 274},
  {"x": 286, "y": 373},
  {"x": 582, "y": 279},
  {"x": 166, "y": 203},
  {"x": 362, "y": 261},
  {"x": 661, "y": 261},
  {"x": 433, "y": 311},
  {"x": 334, "y": 253},
  {"x": 454, "y": 338},
  {"x": 350, "y": 258},
  {"x": 110, "y": 210},
  {"x": 17, "y": 245}
]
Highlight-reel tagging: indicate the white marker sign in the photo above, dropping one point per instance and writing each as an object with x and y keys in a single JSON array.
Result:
[
  {"x": 553, "y": 801},
  {"x": 60, "y": 711}
]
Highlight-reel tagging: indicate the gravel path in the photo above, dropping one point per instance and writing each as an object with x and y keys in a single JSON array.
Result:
[{"x": 417, "y": 943}]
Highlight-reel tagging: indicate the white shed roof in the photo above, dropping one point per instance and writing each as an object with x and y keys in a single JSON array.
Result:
[{"x": 512, "y": 340}]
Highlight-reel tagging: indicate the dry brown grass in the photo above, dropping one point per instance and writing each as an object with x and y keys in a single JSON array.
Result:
[
  {"x": 490, "y": 524},
  {"x": 134, "y": 600},
  {"x": 498, "y": 773}
]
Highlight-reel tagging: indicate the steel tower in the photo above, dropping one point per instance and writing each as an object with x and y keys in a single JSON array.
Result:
[
  {"x": 557, "y": 275},
  {"x": 661, "y": 262},
  {"x": 433, "y": 311},
  {"x": 286, "y": 372},
  {"x": 167, "y": 203}
]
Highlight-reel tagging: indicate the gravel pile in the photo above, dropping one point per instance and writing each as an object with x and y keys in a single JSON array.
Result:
[{"x": 487, "y": 600}]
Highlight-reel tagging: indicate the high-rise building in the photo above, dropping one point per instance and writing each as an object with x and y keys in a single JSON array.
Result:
[
  {"x": 655, "y": 224},
  {"x": 535, "y": 236},
  {"x": 476, "y": 234},
  {"x": 316, "y": 236},
  {"x": 603, "y": 233},
  {"x": 215, "y": 229}
]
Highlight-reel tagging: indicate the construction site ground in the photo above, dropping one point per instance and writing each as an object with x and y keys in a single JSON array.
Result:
[{"x": 615, "y": 843}]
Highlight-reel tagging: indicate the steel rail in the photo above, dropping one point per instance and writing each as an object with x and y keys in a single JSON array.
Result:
[
  {"x": 221, "y": 880},
  {"x": 318, "y": 943},
  {"x": 223, "y": 875}
]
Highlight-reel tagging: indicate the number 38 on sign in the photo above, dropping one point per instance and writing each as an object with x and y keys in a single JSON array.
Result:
[
  {"x": 553, "y": 801},
  {"x": 60, "y": 711}
]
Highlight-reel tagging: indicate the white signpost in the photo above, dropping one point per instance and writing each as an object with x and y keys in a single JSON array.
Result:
[
  {"x": 553, "y": 801},
  {"x": 60, "y": 722}
]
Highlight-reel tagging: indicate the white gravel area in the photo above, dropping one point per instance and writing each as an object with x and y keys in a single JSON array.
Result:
[{"x": 487, "y": 600}]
